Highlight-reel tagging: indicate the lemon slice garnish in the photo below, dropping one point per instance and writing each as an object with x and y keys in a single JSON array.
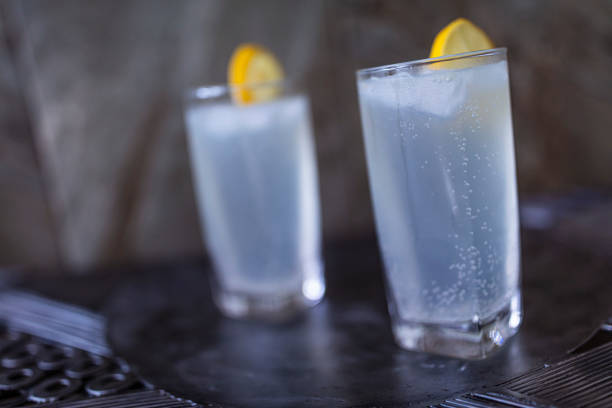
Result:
[
  {"x": 460, "y": 36},
  {"x": 249, "y": 66}
]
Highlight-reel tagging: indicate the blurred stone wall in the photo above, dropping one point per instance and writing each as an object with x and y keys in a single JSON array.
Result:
[
  {"x": 26, "y": 230},
  {"x": 100, "y": 86}
]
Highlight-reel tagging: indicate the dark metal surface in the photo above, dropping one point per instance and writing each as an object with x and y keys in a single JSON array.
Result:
[{"x": 342, "y": 353}]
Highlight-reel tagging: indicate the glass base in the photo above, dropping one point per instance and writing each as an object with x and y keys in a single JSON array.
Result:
[
  {"x": 268, "y": 307},
  {"x": 473, "y": 340}
]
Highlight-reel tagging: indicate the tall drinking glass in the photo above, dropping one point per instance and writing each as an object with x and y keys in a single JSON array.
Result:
[
  {"x": 255, "y": 179},
  {"x": 440, "y": 153}
]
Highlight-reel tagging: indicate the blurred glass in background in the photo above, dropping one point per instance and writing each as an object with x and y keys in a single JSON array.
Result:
[{"x": 255, "y": 179}]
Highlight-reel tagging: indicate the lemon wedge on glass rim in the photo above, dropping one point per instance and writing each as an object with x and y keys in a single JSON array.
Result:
[
  {"x": 250, "y": 66},
  {"x": 460, "y": 36}
]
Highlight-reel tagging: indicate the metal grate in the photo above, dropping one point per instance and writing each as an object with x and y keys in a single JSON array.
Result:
[
  {"x": 56, "y": 355},
  {"x": 584, "y": 380},
  {"x": 151, "y": 399},
  {"x": 493, "y": 399}
]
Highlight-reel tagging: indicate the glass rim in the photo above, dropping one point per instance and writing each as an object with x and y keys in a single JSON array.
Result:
[
  {"x": 425, "y": 61},
  {"x": 205, "y": 92}
]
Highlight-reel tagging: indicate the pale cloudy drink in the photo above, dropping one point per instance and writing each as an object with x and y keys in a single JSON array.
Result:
[{"x": 440, "y": 155}]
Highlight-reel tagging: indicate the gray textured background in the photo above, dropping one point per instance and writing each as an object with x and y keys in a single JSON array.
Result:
[{"x": 93, "y": 163}]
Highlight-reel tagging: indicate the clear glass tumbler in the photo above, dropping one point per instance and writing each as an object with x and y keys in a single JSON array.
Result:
[
  {"x": 255, "y": 179},
  {"x": 440, "y": 153}
]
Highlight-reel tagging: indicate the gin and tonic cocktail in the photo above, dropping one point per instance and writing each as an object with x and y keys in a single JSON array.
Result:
[
  {"x": 255, "y": 179},
  {"x": 439, "y": 144}
]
